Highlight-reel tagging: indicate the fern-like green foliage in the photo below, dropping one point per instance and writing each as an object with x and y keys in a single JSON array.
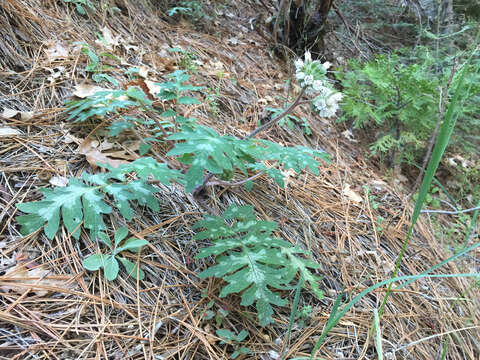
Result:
[
  {"x": 393, "y": 97},
  {"x": 204, "y": 149},
  {"x": 83, "y": 200},
  {"x": 174, "y": 89},
  {"x": 106, "y": 102},
  {"x": 253, "y": 262},
  {"x": 396, "y": 97}
]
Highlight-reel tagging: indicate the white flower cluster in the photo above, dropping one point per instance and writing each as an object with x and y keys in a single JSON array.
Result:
[{"x": 311, "y": 76}]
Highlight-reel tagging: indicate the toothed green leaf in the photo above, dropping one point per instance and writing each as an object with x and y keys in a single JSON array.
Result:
[
  {"x": 297, "y": 158},
  {"x": 93, "y": 262},
  {"x": 132, "y": 244},
  {"x": 120, "y": 234},
  {"x": 84, "y": 199},
  {"x": 251, "y": 261}
]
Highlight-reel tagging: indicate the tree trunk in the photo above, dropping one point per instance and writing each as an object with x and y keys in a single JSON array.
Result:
[{"x": 303, "y": 24}]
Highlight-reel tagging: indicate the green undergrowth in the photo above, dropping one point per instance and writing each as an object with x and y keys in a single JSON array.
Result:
[
  {"x": 238, "y": 247},
  {"x": 257, "y": 266}
]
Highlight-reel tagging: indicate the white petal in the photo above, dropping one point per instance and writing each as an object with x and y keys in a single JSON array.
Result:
[
  {"x": 308, "y": 80},
  {"x": 308, "y": 56},
  {"x": 317, "y": 85},
  {"x": 326, "y": 65},
  {"x": 299, "y": 64}
]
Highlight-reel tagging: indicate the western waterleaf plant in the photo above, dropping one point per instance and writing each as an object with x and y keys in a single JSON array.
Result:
[
  {"x": 106, "y": 102},
  {"x": 205, "y": 150},
  {"x": 250, "y": 260},
  {"x": 253, "y": 262},
  {"x": 109, "y": 262},
  {"x": 82, "y": 201},
  {"x": 229, "y": 337}
]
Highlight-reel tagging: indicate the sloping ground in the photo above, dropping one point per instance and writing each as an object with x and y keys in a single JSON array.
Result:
[{"x": 72, "y": 314}]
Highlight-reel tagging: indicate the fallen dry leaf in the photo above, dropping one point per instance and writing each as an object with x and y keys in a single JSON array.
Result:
[
  {"x": 148, "y": 87},
  {"x": 22, "y": 115},
  {"x": 61, "y": 181},
  {"x": 8, "y": 131},
  {"x": 94, "y": 156},
  {"x": 85, "y": 90},
  {"x": 69, "y": 138},
  {"x": 288, "y": 175},
  {"x": 457, "y": 160},
  {"x": 352, "y": 195},
  {"x": 153, "y": 88},
  {"x": 108, "y": 41},
  {"x": 347, "y": 134},
  {"x": 56, "y": 73},
  {"x": 21, "y": 274},
  {"x": 143, "y": 71},
  {"x": 56, "y": 50}
]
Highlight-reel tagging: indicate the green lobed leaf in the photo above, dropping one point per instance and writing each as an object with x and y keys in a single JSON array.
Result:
[
  {"x": 252, "y": 262},
  {"x": 120, "y": 234},
  {"x": 132, "y": 269},
  {"x": 297, "y": 158},
  {"x": 206, "y": 150},
  {"x": 226, "y": 335},
  {"x": 48, "y": 210},
  {"x": 187, "y": 100},
  {"x": 144, "y": 148},
  {"x": 83, "y": 199},
  {"x": 132, "y": 244}
]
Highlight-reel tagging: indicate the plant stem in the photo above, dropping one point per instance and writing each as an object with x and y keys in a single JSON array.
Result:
[
  {"x": 277, "y": 118},
  {"x": 449, "y": 212},
  {"x": 265, "y": 126},
  {"x": 441, "y": 110},
  {"x": 227, "y": 183}
]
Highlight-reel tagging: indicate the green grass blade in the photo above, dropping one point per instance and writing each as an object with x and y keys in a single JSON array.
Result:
[
  {"x": 378, "y": 337},
  {"x": 451, "y": 258},
  {"x": 444, "y": 349},
  {"x": 293, "y": 315},
  {"x": 334, "y": 321},
  {"x": 444, "y": 135}
]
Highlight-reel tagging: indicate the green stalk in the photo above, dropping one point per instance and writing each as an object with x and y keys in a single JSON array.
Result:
[
  {"x": 334, "y": 320},
  {"x": 440, "y": 146}
]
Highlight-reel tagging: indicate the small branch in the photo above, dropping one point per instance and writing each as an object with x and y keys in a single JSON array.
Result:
[
  {"x": 277, "y": 118},
  {"x": 154, "y": 118},
  {"x": 449, "y": 212},
  {"x": 281, "y": 11},
  {"x": 227, "y": 183},
  {"x": 265, "y": 126}
]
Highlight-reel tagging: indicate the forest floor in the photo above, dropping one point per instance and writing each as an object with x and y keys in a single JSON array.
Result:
[{"x": 51, "y": 308}]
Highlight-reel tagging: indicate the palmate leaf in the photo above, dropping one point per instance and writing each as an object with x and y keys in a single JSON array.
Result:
[
  {"x": 99, "y": 104},
  {"x": 297, "y": 158},
  {"x": 106, "y": 102},
  {"x": 251, "y": 261},
  {"x": 204, "y": 149},
  {"x": 76, "y": 202},
  {"x": 84, "y": 199},
  {"x": 109, "y": 262}
]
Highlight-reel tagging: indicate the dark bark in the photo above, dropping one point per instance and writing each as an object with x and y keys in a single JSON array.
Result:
[{"x": 303, "y": 24}]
